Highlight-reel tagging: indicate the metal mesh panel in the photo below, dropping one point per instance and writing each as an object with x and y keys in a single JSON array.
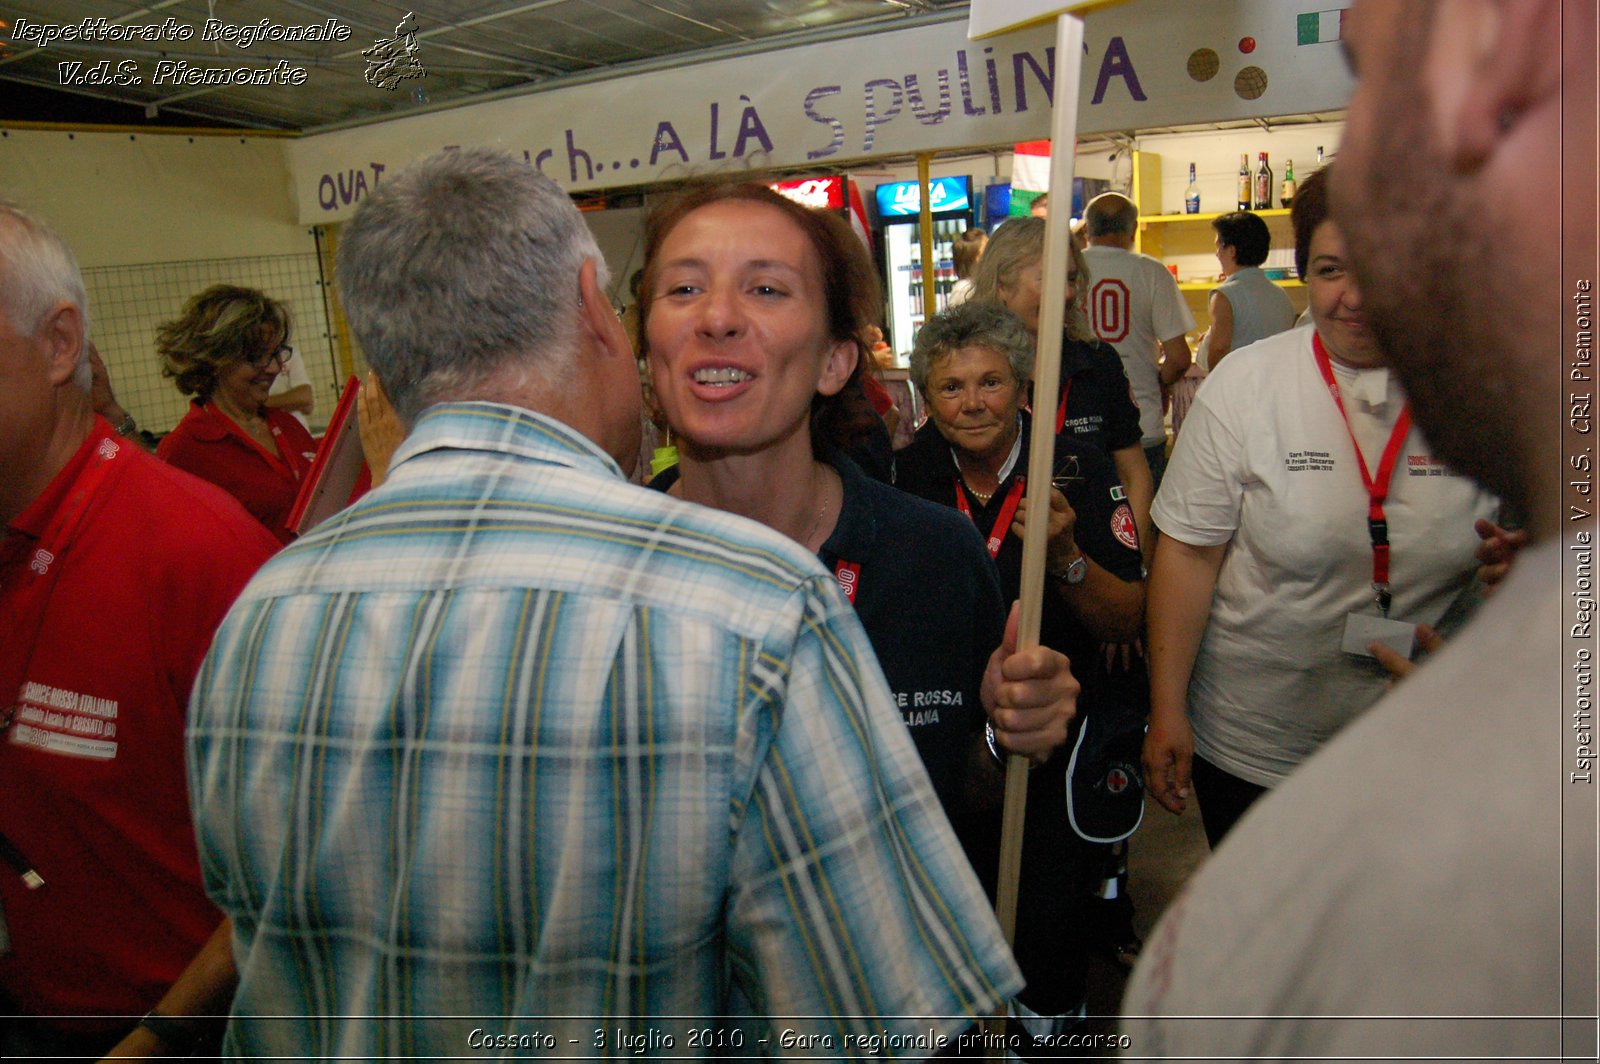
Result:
[{"x": 126, "y": 303}]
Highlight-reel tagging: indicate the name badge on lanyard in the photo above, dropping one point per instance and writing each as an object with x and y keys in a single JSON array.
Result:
[{"x": 1363, "y": 629}]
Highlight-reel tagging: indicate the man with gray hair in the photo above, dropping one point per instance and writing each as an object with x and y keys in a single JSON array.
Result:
[
  {"x": 1135, "y": 306},
  {"x": 513, "y": 754},
  {"x": 115, "y": 569}
]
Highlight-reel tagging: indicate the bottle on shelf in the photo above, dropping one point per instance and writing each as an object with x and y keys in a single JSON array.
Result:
[
  {"x": 1244, "y": 181},
  {"x": 1191, "y": 195},
  {"x": 1263, "y": 191},
  {"x": 1286, "y": 197}
]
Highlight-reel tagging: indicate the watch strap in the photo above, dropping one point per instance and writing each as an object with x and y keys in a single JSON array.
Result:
[
  {"x": 180, "y": 1034},
  {"x": 1073, "y": 572}
]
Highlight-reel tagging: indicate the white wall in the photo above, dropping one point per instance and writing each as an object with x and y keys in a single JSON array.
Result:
[
  {"x": 620, "y": 234},
  {"x": 121, "y": 198}
]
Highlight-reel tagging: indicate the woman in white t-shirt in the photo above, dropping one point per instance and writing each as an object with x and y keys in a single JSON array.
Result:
[{"x": 1270, "y": 560}]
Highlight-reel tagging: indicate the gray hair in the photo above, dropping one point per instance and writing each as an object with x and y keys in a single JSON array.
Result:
[
  {"x": 1017, "y": 245},
  {"x": 975, "y": 323},
  {"x": 463, "y": 271},
  {"x": 37, "y": 271}
]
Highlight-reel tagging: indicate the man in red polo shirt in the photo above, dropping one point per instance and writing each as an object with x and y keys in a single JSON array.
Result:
[{"x": 114, "y": 572}]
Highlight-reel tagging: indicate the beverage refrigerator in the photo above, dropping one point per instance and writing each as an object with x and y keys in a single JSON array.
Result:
[
  {"x": 834, "y": 193},
  {"x": 900, "y": 239}
]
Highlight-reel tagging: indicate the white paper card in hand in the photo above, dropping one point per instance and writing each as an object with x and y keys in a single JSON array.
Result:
[{"x": 1361, "y": 630}]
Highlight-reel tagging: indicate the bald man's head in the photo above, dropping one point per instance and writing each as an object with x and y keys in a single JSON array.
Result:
[{"x": 1111, "y": 218}]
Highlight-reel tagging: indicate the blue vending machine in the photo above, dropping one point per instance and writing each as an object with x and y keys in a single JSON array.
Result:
[{"x": 899, "y": 209}]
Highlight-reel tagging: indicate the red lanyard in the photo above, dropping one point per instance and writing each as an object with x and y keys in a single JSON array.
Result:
[
  {"x": 1002, "y": 524},
  {"x": 849, "y": 576},
  {"x": 31, "y": 599},
  {"x": 1061, "y": 411},
  {"x": 1377, "y": 486}
]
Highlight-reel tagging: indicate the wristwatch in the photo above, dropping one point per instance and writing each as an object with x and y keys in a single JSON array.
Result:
[
  {"x": 127, "y": 426},
  {"x": 180, "y": 1034},
  {"x": 1074, "y": 572}
]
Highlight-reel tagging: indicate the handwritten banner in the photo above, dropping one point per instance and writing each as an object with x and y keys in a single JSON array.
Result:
[{"x": 1148, "y": 63}]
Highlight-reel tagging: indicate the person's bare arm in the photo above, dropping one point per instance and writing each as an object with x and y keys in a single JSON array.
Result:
[
  {"x": 1221, "y": 333},
  {"x": 204, "y": 988},
  {"x": 1182, "y": 583},
  {"x": 1175, "y": 360}
]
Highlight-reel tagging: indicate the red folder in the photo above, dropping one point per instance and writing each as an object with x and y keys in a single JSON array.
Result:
[{"x": 338, "y": 474}]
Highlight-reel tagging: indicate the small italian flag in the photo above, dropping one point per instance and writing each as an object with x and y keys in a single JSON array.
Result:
[
  {"x": 1319, "y": 27},
  {"x": 1030, "y": 174}
]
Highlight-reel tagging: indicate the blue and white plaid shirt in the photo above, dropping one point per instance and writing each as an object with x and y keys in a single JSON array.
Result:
[{"x": 514, "y": 749}]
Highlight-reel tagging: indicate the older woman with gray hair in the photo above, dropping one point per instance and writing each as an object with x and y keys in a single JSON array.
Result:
[
  {"x": 1095, "y": 403},
  {"x": 225, "y": 350},
  {"x": 971, "y": 364}
]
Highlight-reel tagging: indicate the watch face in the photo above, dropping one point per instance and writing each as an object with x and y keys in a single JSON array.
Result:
[{"x": 1077, "y": 570}]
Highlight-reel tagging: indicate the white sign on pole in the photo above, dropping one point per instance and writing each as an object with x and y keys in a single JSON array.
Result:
[{"x": 989, "y": 17}]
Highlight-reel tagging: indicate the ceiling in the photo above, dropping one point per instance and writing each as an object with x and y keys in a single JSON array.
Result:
[{"x": 468, "y": 50}]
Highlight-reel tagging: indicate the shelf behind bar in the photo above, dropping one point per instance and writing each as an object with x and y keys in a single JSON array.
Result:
[
  {"x": 1166, "y": 219},
  {"x": 1206, "y": 286}
]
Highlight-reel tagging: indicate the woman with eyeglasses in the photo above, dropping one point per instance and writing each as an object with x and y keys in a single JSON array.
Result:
[
  {"x": 971, "y": 364},
  {"x": 225, "y": 351}
]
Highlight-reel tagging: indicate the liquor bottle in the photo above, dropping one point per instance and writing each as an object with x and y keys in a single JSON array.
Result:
[
  {"x": 1287, "y": 196},
  {"x": 1263, "y": 196},
  {"x": 1244, "y": 181},
  {"x": 1191, "y": 195}
]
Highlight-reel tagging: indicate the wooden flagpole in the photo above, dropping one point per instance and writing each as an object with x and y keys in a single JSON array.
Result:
[
  {"x": 986, "y": 18},
  {"x": 1041, "y": 444}
]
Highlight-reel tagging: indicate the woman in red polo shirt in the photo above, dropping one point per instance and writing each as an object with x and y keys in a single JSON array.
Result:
[{"x": 225, "y": 351}]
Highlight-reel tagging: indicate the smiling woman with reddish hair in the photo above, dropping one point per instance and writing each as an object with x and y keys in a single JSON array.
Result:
[
  {"x": 225, "y": 351},
  {"x": 751, "y": 308}
]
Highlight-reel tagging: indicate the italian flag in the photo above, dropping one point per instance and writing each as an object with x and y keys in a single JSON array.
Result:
[
  {"x": 1319, "y": 27},
  {"x": 1030, "y": 174}
]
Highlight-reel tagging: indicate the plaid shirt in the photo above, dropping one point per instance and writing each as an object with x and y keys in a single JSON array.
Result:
[{"x": 514, "y": 749}]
